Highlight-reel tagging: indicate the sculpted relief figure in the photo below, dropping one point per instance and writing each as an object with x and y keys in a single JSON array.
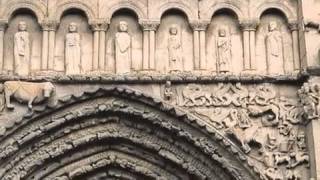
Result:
[
  {"x": 223, "y": 51},
  {"x": 22, "y": 50},
  {"x": 175, "y": 50},
  {"x": 28, "y": 92},
  {"x": 73, "y": 50},
  {"x": 123, "y": 49},
  {"x": 274, "y": 46}
]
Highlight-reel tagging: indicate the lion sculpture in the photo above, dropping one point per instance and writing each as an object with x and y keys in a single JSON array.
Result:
[{"x": 28, "y": 93}]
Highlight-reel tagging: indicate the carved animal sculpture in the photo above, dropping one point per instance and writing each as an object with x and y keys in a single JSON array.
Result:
[
  {"x": 299, "y": 157},
  {"x": 272, "y": 174},
  {"x": 27, "y": 92},
  {"x": 282, "y": 159},
  {"x": 245, "y": 137}
]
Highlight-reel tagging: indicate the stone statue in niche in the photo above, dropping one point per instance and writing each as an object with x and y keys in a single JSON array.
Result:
[
  {"x": 274, "y": 46},
  {"x": 73, "y": 50},
  {"x": 223, "y": 51},
  {"x": 123, "y": 49},
  {"x": 22, "y": 50},
  {"x": 175, "y": 50}
]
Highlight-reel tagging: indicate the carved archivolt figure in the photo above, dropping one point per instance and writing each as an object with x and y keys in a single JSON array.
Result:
[
  {"x": 123, "y": 49},
  {"x": 223, "y": 51},
  {"x": 73, "y": 50},
  {"x": 274, "y": 50},
  {"x": 22, "y": 50},
  {"x": 175, "y": 50}
]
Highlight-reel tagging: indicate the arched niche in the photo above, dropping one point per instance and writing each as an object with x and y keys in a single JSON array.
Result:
[
  {"x": 86, "y": 40},
  {"x": 184, "y": 35},
  {"x": 284, "y": 64},
  {"x": 35, "y": 39},
  {"x": 134, "y": 62},
  {"x": 228, "y": 20}
]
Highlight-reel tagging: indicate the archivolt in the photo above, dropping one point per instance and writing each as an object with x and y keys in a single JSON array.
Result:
[{"x": 111, "y": 127}]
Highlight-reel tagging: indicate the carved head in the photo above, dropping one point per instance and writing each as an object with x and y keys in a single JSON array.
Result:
[
  {"x": 222, "y": 32},
  {"x": 273, "y": 26},
  {"x": 173, "y": 30},
  {"x": 22, "y": 26},
  {"x": 48, "y": 89},
  {"x": 73, "y": 27},
  {"x": 123, "y": 26}
]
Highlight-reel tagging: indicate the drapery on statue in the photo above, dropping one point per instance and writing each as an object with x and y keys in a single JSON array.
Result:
[
  {"x": 275, "y": 64},
  {"x": 28, "y": 92},
  {"x": 73, "y": 50},
  {"x": 223, "y": 51},
  {"x": 175, "y": 50},
  {"x": 123, "y": 49},
  {"x": 22, "y": 50}
]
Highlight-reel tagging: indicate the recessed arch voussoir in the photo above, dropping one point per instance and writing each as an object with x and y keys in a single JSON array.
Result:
[{"x": 129, "y": 102}]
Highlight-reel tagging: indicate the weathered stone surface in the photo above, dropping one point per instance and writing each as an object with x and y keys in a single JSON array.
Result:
[{"x": 145, "y": 89}]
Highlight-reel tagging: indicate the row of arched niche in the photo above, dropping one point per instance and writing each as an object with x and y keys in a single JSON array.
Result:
[{"x": 223, "y": 19}]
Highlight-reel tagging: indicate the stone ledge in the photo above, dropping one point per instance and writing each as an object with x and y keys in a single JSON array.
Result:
[{"x": 136, "y": 78}]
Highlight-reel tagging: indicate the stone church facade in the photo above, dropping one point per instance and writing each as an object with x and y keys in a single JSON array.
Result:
[{"x": 167, "y": 89}]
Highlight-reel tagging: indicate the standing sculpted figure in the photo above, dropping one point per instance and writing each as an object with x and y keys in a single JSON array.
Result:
[
  {"x": 73, "y": 50},
  {"x": 224, "y": 51},
  {"x": 175, "y": 50},
  {"x": 123, "y": 49},
  {"x": 274, "y": 45},
  {"x": 22, "y": 50}
]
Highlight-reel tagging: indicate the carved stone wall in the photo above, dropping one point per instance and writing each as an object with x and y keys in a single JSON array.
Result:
[{"x": 144, "y": 89}]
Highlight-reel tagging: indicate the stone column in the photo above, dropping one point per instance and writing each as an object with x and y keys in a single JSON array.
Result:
[
  {"x": 102, "y": 45},
  {"x": 52, "y": 27},
  {"x": 249, "y": 44},
  {"x": 95, "y": 54},
  {"x": 3, "y": 25},
  {"x": 45, "y": 25},
  {"x": 99, "y": 28},
  {"x": 199, "y": 45},
  {"x": 295, "y": 44},
  {"x": 149, "y": 44}
]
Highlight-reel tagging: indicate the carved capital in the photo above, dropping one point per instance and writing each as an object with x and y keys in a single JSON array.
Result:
[
  {"x": 199, "y": 25},
  {"x": 249, "y": 25},
  {"x": 49, "y": 25},
  {"x": 3, "y": 25},
  {"x": 99, "y": 25},
  {"x": 294, "y": 25},
  {"x": 150, "y": 25}
]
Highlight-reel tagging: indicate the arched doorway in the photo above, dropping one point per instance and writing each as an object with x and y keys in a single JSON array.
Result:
[{"x": 117, "y": 133}]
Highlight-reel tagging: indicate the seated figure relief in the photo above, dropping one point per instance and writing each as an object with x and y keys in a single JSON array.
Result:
[
  {"x": 22, "y": 50},
  {"x": 175, "y": 50},
  {"x": 73, "y": 50},
  {"x": 274, "y": 46},
  {"x": 123, "y": 49}
]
